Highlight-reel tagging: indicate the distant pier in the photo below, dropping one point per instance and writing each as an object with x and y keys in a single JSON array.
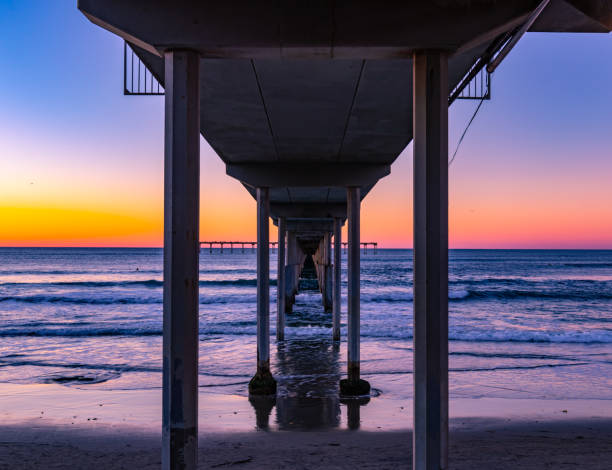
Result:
[{"x": 253, "y": 245}]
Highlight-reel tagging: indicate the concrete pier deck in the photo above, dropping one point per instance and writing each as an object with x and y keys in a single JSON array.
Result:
[{"x": 308, "y": 105}]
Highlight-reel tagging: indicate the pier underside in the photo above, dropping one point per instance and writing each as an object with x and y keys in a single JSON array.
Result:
[{"x": 308, "y": 106}]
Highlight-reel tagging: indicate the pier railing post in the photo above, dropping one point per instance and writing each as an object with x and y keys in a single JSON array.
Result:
[
  {"x": 430, "y": 121},
  {"x": 280, "y": 282},
  {"x": 263, "y": 383},
  {"x": 181, "y": 260},
  {"x": 336, "y": 308},
  {"x": 354, "y": 385}
]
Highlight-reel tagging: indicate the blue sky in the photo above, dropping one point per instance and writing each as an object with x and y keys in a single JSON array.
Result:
[{"x": 543, "y": 139}]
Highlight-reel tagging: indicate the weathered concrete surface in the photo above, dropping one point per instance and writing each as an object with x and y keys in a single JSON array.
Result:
[
  {"x": 357, "y": 29},
  {"x": 337, "y": 283},
  {"x": 181, "y": 267},
  {"x": 353, "y": 385},
  {"x": 263, "y": 383},
  {"x": 323, "y": 265},
  {"x": 430, "y": 262},
  {"x": 280, "y": 280}
]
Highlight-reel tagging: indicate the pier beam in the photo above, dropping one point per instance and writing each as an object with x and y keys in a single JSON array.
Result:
[
  {"x": 280, "y": 282},
  {"x": 336, "y": 307},
  {"x": 263, "y": 383},
  {"x": 430, "y": 121},
  {"x": 181, "y": 260},
  {"x": 353, "y": 385}
]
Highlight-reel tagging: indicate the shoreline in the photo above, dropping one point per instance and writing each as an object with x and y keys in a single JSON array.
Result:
[{"x": 58, "y": 405}]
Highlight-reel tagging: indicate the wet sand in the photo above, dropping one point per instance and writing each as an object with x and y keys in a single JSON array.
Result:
[{"x": 57, "y": 427}]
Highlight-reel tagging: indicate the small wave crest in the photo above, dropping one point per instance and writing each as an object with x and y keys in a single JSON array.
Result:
[
  {"x": 509, "y": 294},
  {"x": 589, "y": 265},
  {"x": 118, "y": 300},
  {"x": 135, "y": 283},
  {"x": 475, "y": 335},
  {"x": 407, "y": 296}
]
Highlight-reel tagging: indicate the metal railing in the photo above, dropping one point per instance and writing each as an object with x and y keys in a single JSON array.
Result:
[
  {"x": 137, "y": 78},
  {"x": 475, "y": 85},
  {"x": 478, "y": 88}
]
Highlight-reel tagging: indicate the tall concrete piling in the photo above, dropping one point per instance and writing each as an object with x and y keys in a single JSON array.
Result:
[
  {"x": 280, "y": 281},
  {"x": 354, "y": 384},
  {"x": 430, "y": 121},
  {"x": 336, "y": 308},
  {"x": 292, "y": 270},
  {"x": 181, "y": 260},
  {"x": 263, "y": 383},
  {"x": 322, "y": 260},
  {"x": 328, "y": 298}
]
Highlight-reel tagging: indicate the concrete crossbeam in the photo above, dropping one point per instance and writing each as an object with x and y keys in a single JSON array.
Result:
[
  {"x": 306, "y": 210},
  {"x": 310, "y": 225},
  {"x": 307, "y": 174}
]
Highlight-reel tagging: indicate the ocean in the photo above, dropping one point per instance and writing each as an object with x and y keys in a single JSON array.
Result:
[{"x": 523, "y": 323}]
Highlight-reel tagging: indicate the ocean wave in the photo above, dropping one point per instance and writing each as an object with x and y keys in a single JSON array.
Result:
[
  {"x": 467, "y": 294},
  {"x": 589, "y": 265},
  {"x": 314, "y": 331},
  {"x": 407, "y": 296},
  {"x": 79, "y": 332},
  {"x": 79, "y": 365},
  {"x": 533, "y": 336},
  {"x": 454, "y": 295},
  {"x": 53, "y": 299},
  {"x": 553, "y": 294},
  {"x": 60, "y": 299},
  {"x": 500, "y": 336},
  {"x": 142, "y": 283}
]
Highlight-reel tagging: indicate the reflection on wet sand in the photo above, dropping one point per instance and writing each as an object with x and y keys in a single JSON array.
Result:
[
  {"x": 353, "y": 407},
  {"x": 308, "y": 372}
]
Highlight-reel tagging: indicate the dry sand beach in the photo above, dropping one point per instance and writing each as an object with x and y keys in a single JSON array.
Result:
[{"x": 483, "y": 444}]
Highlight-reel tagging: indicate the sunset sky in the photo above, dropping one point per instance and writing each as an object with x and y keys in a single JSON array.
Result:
[{"x": 81, "y": 164}]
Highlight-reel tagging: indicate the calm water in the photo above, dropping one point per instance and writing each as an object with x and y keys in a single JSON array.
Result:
[{"x": 534, "y": 324}]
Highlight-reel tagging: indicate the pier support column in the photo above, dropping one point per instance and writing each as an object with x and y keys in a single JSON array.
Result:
[
  {"x": 322, "y": 261},
  {"x": 328, "y": 297},
  {"x": 291, "y": 275},
  {"x": 336, "y": 307},
  {"x": 353, "y": 385},
  {"x": 280, "y": 282},
  {"x": 263, "y": 383},
  {"x": 430, "y": 121},
  {"x": 181, "y": 260}
]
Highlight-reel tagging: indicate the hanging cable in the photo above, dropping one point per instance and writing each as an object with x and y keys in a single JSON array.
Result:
[{"x": 466, "y": 129}]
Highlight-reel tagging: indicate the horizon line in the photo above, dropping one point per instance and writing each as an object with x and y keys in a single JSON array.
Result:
[{"x": 272, "y": 248}]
